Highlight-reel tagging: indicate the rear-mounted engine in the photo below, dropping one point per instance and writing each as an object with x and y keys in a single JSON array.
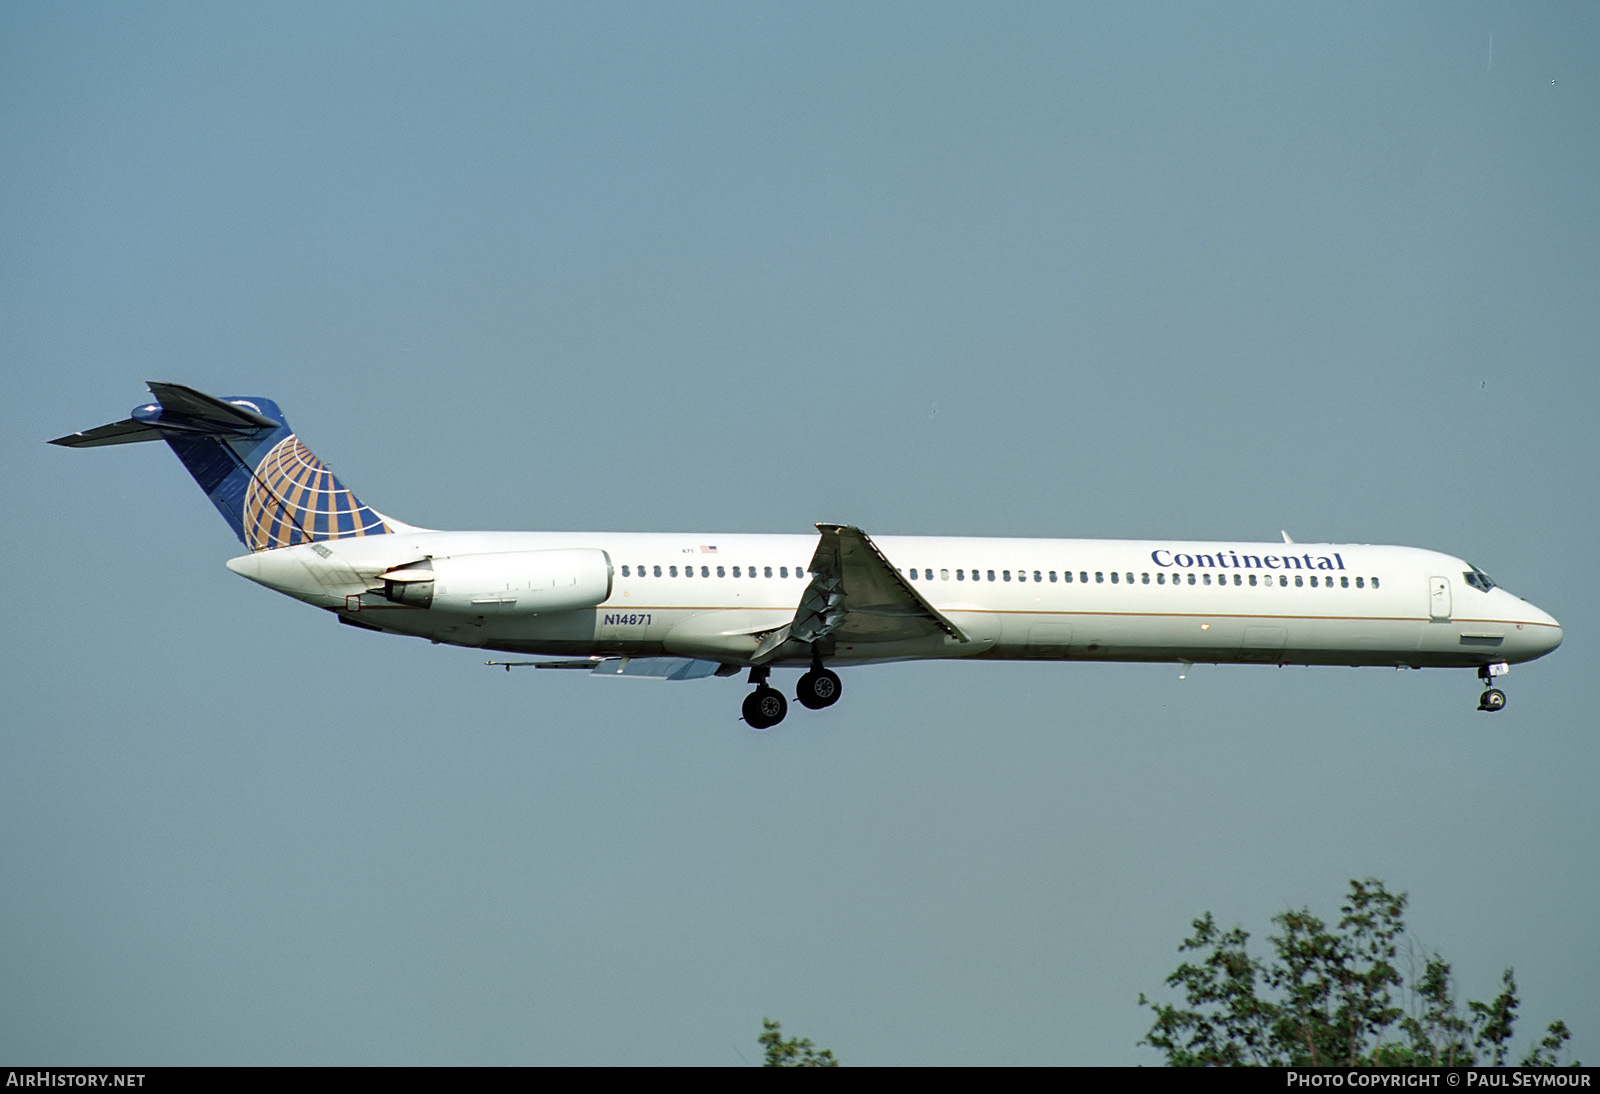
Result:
[{"x": 512, "y": 582}]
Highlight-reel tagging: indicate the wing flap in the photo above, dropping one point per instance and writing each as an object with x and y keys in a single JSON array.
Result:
[{"x": 659, "y": 668}]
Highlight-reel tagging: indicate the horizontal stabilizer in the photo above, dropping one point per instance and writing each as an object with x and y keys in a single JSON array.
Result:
[
  {"x": 197, "y": 410},
  {"x": 267, "y": 485},
  {"x": 178, "y": 411},
  {"x": 126, "y": 431}
]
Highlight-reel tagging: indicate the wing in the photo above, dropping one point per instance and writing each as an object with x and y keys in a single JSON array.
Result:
[{"x": 856, "y": 597}]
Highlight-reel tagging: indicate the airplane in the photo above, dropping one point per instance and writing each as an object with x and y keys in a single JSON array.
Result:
[{"x": 682, "y": 606}]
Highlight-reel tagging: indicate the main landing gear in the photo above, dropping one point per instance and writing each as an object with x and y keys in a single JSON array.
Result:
[
  {"x": 1492, "y": 699},
  {"x": 765, "y": 707},
  {"x": 818, "y": 688}
]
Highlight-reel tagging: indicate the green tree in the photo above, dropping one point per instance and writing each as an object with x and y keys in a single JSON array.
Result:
[
  {"x": 793, "y": 1051},
  {"x": 1331, "y": 998}
]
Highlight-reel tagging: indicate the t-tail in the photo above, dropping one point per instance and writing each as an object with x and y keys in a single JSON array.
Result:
[{"x": 267, "y": 485}]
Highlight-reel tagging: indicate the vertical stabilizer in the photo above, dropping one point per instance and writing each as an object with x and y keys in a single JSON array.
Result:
[{"x": 267, "y": 485}]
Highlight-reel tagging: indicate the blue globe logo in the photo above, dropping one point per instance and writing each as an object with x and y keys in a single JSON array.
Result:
[{"x": 292, "y": 498}]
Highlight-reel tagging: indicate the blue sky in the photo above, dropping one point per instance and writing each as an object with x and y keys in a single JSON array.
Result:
[{"x": 1205, "y": 271}]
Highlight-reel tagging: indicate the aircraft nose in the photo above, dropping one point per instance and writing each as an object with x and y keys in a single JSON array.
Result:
[{"x": 1541, "y": 631}]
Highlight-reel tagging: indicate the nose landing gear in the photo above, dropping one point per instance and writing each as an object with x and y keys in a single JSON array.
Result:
[{"x": 1493, "y": 698}]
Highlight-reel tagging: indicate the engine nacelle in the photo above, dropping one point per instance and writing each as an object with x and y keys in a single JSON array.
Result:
[{"x": 503, "y": 583}]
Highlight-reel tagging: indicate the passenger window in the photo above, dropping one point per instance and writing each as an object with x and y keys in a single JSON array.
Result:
[
  {"x": 673, "y": 570},
  {"x": 769, "y": 571},
  {"x": 1006, "y": 574},
  {"x": 783, "y": 571},
  {"x": 944, "y": 575},
  {"x": 1066, "y": 575},
  {"x": 961, "y": 575},
  {"x": 1361, "y": 583},
  {"x": 1205, "y": 579},
  {"x": 1144, "y": 579},
  {"x": 1191, "y": 579},
  {"x": 624, "y": 570},
  {"x": 1083, "y": 576},
  {"x": 1113, "y": 577},
  {"x": 658, "y": 571},
  {"x": 1374, "y": 583},
  {"x": 991, "y": 575},
  {"x": 721, "y": 572},
  {"x": 1161, "y": 579},
  {"x": 1252, "y": 579},
  {"x": 1299, "y": 581},
  {"x": 1052, "y": 577},
  {"x": 1099, "y": 577},
  {"x": 1344, "y": 583}
]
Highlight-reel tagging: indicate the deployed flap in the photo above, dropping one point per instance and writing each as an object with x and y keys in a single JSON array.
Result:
[
  {"x": 855, "y": 596},
  {"x": 661, "y": 668}
]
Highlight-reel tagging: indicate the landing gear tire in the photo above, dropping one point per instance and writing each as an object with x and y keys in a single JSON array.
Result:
[
  {"x": 764, "y": 707},
  {"x": 818, "y": 688},
  {"x": 1492, "y": 700}
]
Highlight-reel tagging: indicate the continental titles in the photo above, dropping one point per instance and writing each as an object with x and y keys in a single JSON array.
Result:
[{"x": 1232, "y": 560}]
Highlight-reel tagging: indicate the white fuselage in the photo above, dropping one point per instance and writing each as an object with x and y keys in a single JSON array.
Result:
[{"x": 712, "y": 596}]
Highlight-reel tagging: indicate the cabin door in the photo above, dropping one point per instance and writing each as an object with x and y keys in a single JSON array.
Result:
[{"x": 1439, "y": 599}]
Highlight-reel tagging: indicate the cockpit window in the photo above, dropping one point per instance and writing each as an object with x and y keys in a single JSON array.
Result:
[{"x": 1478, "y": 579}]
